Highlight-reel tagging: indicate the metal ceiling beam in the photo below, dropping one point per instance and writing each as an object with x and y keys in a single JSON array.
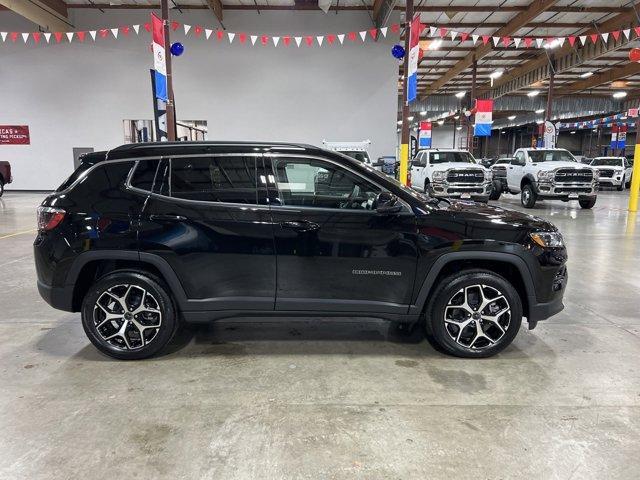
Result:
[
  {"x": 382, "y": 10},
  {"x": 600, "y": 79},
  {"x": 514, "y": 8},
  {"x": 567, "y": 57},
  {"x": 216, "y": 8},
  {"x": 534, "y": 9},
  {"x": 50, "y": 15}
]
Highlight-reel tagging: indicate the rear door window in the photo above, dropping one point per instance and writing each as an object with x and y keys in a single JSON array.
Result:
[{"x": 144, "y": 175}]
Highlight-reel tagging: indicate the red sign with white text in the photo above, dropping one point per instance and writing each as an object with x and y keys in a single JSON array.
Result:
[{"x": 14, "y": 135}]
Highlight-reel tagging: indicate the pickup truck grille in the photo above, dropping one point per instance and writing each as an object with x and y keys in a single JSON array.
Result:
[
  {"x": 465, "y": 176},
  {"x": 606, "y": 173},
  {"x": 570, "y": 175}
]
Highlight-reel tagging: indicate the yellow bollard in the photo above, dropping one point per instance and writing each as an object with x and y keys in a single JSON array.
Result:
[
  {"x": 404, "y": 163},
  {"x": 635, "y": 177}
]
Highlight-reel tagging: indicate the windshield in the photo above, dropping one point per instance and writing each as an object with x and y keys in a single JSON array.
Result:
[
  {"x": 358, "y": 155},
  {"x": 551, "y": 156},
  {"x": 503, "y": 161},
  {"x": 608, "y": 162},
  {"x": 445, "y": 157}
]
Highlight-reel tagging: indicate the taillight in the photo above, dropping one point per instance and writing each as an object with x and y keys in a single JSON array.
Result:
[{"x": 49, "y": 218}]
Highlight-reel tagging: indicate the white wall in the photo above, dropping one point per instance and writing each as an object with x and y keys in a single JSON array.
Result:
[{"x": 76, "y": 95}]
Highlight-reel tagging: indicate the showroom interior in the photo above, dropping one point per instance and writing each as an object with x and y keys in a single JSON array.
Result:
[{"x": 267, "y": 239}]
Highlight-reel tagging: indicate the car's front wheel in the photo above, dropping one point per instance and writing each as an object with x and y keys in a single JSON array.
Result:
[
  {"x": 528, "y": 196},
  {"x": 621, "y": 186},
  {"x": 1, "y": 187},
  {"x": 474, "y": 314},
  {"x": 496, "y": 191},
  {"x": 587, "y": 202},
  {"x": 129, "y": 315}
]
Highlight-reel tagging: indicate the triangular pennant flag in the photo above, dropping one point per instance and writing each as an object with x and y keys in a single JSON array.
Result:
[
  {"x": 136, "y": 28},
  {"x": 485, "y": 39},
  {"x": 286, "y": 40},
  {"x": 174, "y": 25},
  {"x": 373, "y": 32},
  {"x": 352, "y": 36},
  {"x": 14, "y": 36},
  {"x": 341, "y": 38},
  {"x": 253, "y": 39},
  {"x": 506, "y": 41},
  {"x": 627, "y": 33},
  {"x": 264, "y": 40},
  {"x": 331, "y": 38},
  {"x": 516, "y": 41},
  {"x": 383, "y": 31},
  {"x": 115, "y": 32},
  {"x": 453, "y": 35},
  {"x": 443, "y": 32},
  {"x": 572, "y": 40},
  {"x": 81, "y": 35},
  {"x": 47, "y": 36},
  {"x": 432, "y": 31},
  {"x": 320, "y": 39},
  {"x": 496, "y": 41},
  {"x": 616, "y": 34},
  {"x": 57, "y": 35},
  {"x": 186, "y": 28},
  {"x": 70, "y": 36},
  {"x": 561, "y": 41},
  {"x": 637, "y": 30},
  {"x": 147, "y": 26},
  {"x": 539, "y": 42},
  {"x": 3, "y": 35},
  {"x": 475, "y": 38},
  {"x": 298, "y": 40},
  {"x": 220, "y": 35},
  {"x": 363, "y": 35},
  {"x": 125, "y": 30},
  {"x": 231, "y": 35},
  {"x": 25, "y": 37},
  {"x": 198, "y": 30},
  {"x": 207, "y": 33},
  {"x": 395, "y": 28},
  {"x": 583, "y": 39},
  {"x": 527, "y": 42},
  {"x": 93, "y": 34},
  {"x": 309, "y": 40},
  {"x": 594, "y": 38},
  {"x": 275, "y": 41},
  {"x": 36, "y": 37},
  {"x": 103, "y": 33},
  {"x": 242, "y": 37},
  {"x": 605, "y": 37},
  {"x": 464, "y": 36}
]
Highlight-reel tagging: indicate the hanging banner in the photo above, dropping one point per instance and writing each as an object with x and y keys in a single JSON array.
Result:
[
  {"x": 425, "y": 135},
  {"x": 549, "y": 135},
  {"x": 614, "y": 136},
  {"x": 414, "y": 57},
  {"x": 483, "y": 118},
  {"x": 159, "y": 112},
  {"x": 14, "y": 135},
  {"x": 159, "y": 59},
  {"x": 622, "y": 137}
]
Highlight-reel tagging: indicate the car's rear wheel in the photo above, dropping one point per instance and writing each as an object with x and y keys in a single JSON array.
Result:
[
  {"x": 587, "y": 202},
  {"x": 1, "y": 187},
  {"x": 495, "y": 191},
  {"x": 474, "y": 314},
  {"x": 528, "y": 196},
  {"x": 129, "y": 315}
]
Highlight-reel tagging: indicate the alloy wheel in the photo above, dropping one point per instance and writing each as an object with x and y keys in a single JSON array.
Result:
[
  {"x": 477, "y": 316},
  {"x": 127, "y": 317}
]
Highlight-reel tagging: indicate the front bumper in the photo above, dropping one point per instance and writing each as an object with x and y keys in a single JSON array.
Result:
[
  {"x": 566, "y": 189},
  {"x": 611, "y": 181},
  {"x": 476, "y": 191}
]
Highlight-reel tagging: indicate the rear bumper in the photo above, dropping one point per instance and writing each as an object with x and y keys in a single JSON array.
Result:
[{"x": 60, "y": 298}]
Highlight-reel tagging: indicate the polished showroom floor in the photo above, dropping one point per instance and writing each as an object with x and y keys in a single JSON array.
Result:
[{"x": 331, "y": 399}]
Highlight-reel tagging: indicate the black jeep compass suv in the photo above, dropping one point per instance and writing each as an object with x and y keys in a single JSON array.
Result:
[{"x": 146, "y": 236}]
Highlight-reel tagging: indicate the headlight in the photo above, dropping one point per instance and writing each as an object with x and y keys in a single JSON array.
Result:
[
  {"x": 545, "y": 175},
  {"x": 438, "y": 175},
  {"x": 548, "y": 239},
  {"x": 488, "y": 174}
]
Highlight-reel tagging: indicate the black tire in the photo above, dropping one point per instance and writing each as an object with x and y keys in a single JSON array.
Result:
[
  {"x": 452, "y": 286},
  {"x": 588, "y": 202},
  {"x": 157, "y": 298},
  {"x": 528, "y": 196},
  {"x": 495, "y": 192},
  {"x": 628, "y": 184},
  {"x": 621, "y": 186},
  {"x": 426, "y": 186},
  {"x": 1, "y": 187}
]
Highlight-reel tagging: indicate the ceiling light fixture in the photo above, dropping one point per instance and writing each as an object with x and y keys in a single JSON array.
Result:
[
  {"x": 423, "y": 113},
  {"x": 458, "y": 128},
  {"x": 619, "y": 94},
  {"x": 540, "y": 110},
  {"x": 460, "y": 94},
  {"x": 410, "y": 118},
  {"x": 533, "y": 93},
  {"x": 586, "y": 74},
  {"x": 572, "y": 132},
  {"x": 440, "y": 122},
  {"x": 435, "y": 45},
  {"x": 496, "y": 74},
  {"x": 511, "y": 117}
]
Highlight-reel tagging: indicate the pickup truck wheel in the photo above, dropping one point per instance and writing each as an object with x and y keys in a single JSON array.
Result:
[
  {"x": 621, "y": 186},
  {"x": 495, "y": 192},
  {"x": 474, "y": 314},
  {"x": 528, "y": 196},
  {"x": 1, "y": 187},
  {"x": 129, "y": 315},
  {"x": 628, "y": 183},
  {"x": 426, "y": 186},
  {"x": 588, "y": 202}
]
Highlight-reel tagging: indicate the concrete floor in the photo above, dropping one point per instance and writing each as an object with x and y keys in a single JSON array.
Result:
[{"x": 331, "y": 399}]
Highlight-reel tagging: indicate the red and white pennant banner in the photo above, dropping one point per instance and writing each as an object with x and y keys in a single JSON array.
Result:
[{"x": 441, "y": 32}]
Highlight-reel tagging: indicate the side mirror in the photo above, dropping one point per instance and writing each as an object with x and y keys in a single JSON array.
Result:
[{"x": 387, "y": 203}]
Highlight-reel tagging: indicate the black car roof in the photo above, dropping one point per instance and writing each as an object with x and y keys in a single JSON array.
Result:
[{"x": 136, "y": 150}]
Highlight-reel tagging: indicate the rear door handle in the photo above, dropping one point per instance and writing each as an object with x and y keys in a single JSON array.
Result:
[
  {"x": 167, "y": 218},
  {"x": 300, "y": 226}
]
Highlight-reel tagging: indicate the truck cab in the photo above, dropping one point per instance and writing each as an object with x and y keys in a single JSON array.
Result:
[
  {"x": 357, "y": 150},
  {"x": 5, "y": 175},
  {"x": 552, "y": 174},
  {"x": 450, "y": 173}
]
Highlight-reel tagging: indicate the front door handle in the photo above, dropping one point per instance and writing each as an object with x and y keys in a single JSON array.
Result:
[
  {"x": 300, "y": 226},
  {"x": 167, "y": 218}
]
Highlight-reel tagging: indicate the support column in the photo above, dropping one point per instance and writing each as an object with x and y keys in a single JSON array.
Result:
[
  {"x": 405, "y": 138},
  {"x": 548, "y": 112},
  {"x": 171, "y": 112},
  {"x": 472, "y": 98},
  {"x": 634, "y": 192}
]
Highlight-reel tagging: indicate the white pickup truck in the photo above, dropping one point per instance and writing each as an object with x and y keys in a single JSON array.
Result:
[
  {"x": 357, "y": 150},
  {"x": 614, "y": 171},
  {"x": 450, "y": 174},
  {"x": 551, "y": 173}
]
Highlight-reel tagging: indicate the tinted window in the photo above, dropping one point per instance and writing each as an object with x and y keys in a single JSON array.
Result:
[
  {"x": 608, "y": 162},
  {"x": 445, "y": 157},
  {"x": 74, "y": 176},
  {"x": 358, "y": 155},
  {"x": 214, "y": 179},
  {"x": 144, "y": 175},
  {"x": 313, "y": 183},
  {"x": 551, "y": 156}
]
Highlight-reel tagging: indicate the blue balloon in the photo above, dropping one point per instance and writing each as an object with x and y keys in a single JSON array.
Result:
[
  {"x": 177, "y": 49},
  {"x": 397, "y": 51}
]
